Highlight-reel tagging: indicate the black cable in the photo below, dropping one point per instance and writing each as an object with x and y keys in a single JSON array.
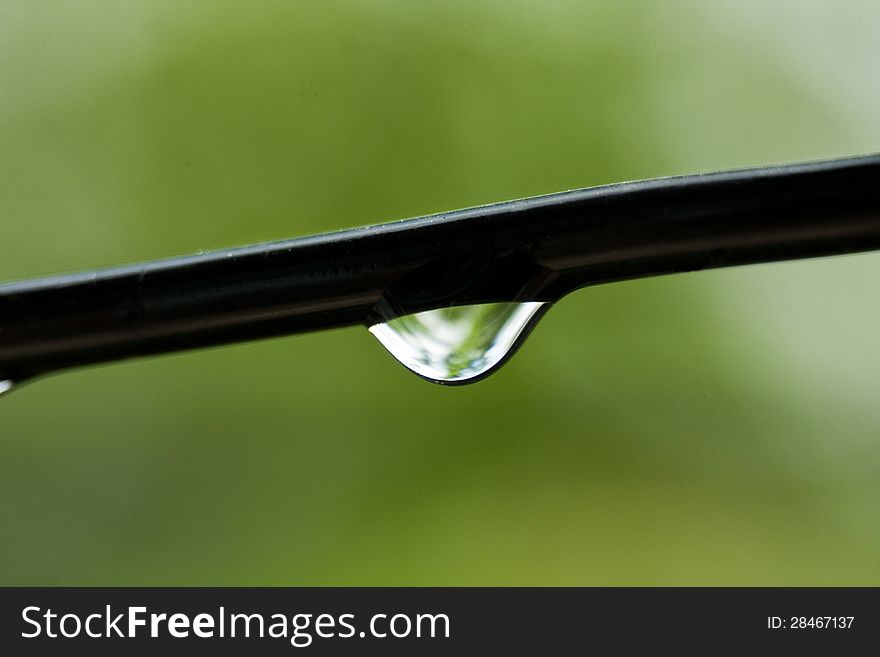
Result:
[{"x": 536, "y": 249}]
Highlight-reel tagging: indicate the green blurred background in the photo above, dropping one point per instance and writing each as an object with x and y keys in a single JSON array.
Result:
[{"x": 713, "y": 428}]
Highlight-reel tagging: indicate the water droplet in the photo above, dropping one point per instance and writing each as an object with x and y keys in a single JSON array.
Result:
[
  {"x": 5, "y": 386},
  {"x": 460, "y": 344}
]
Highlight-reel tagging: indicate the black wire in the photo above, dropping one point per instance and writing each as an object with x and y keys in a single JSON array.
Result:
[{"x": 539, "y": 248}]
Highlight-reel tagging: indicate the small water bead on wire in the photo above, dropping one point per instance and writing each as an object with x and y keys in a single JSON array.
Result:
[{"x": 459, "y": 344}]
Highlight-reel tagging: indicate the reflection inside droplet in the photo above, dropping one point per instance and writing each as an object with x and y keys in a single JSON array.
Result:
[
  {"x": 5, "y": 386},
  {"x": 458, "y": 344}
]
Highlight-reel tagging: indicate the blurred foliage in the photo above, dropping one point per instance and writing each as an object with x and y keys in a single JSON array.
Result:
[{"x": 713, "y": 428}]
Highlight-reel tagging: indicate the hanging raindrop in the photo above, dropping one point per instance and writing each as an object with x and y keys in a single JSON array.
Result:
[{"x": 460, "y": 344}]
